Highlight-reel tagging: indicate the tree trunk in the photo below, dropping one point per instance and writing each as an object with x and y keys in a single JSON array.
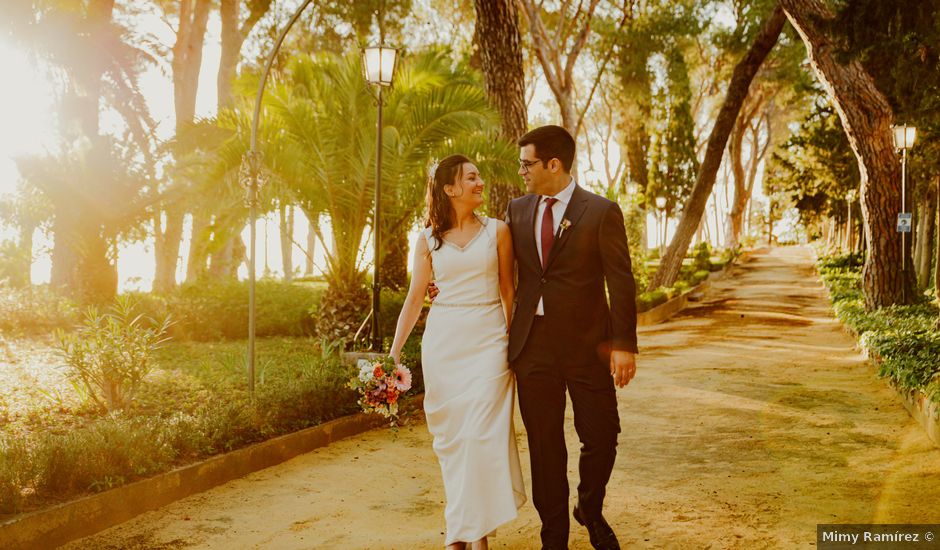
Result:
[
  {"x": 311, "y": 248},
  {"x": 185, "y": 65},
  {"x": 230, "y": 51},
  {"x": 286, "y": 224},
  {"x": 637, "y": 150},
  {"x": 167, "y": 247},
  {"x": 234, "y": 32},
  {"x": 497, "y": 33},
  {"x": 936, "y": 267},
  {"x": 233, "y": 35},
  {"x": 866, "y": 117},
  {"x": 925, "y": 239},
  {"x": 64, "y": 250},
  {"x": 198, "y": 247},
  {"x": 394, "y": 268},
  {"x": 187, "y": 58},
  {"x": 741, "y": 79},
  {"x": 737, "y": 173},
  {"x": 27, "y": 229},
  {"x": 557, "y": 57}
]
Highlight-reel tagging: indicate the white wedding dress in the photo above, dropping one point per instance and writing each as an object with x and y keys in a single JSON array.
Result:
[{"x": 469, "y": 390}]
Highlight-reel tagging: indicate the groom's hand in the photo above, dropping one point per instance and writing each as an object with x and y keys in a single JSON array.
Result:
[
  {"x": 622, "y": 367},
  {"x": 433, "y": 291}
]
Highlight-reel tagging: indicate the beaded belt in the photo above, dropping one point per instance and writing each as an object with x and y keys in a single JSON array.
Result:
[{"x": 466, "y": 304}]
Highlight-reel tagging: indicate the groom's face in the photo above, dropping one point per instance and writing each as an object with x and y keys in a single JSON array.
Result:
[{"x": 534, "y": 172}]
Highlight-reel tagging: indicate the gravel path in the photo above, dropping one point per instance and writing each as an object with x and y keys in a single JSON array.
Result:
[{"x": 752, "y": 419}]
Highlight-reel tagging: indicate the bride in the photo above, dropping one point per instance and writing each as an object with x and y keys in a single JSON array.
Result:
[{"x": 469, "y": 389}]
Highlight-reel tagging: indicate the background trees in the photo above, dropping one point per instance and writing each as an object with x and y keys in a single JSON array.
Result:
[{"x": 685, "y": 100}]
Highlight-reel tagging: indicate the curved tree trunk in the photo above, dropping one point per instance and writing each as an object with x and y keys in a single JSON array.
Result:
[
  {"x": 866, "y": 117},
  {"x": 925, "y": 238},
  {"x": 497, "y": 33},
  {"x": 741, "y": 79}
]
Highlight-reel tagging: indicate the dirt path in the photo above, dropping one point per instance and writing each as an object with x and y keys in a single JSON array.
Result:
[{"x": 751, "y": 420}]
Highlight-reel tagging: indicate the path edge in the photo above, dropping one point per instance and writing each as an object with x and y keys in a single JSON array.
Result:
[
  {"x": 916, "y": 402},
  {"x": 69, "y": 521}
]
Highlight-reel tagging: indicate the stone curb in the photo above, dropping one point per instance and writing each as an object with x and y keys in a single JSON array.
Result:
[
  {"x": 86, "y": 516},
  {"x": 918, "y": 405},
  {"x": 664, "y": 311}
]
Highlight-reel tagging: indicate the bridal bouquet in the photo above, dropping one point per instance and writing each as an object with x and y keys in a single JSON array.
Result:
[{"x": 380, "y": 384}]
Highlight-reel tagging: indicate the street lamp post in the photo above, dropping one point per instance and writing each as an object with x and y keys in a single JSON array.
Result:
[
  {"x": 378, "y": 63},
  {"x": 904, "y": 136},
  {"x": 252, "y": 179}
]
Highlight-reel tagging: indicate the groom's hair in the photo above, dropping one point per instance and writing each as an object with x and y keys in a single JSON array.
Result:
[{"x": 551, "y": 142}]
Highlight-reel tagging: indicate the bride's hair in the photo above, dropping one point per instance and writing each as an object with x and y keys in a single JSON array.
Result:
[{"x": 440, "y": 212}]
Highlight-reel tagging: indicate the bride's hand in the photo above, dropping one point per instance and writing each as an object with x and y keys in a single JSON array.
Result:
[{"x": 396, "y": 357}]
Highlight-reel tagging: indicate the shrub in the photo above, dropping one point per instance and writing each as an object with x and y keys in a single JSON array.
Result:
[
  {"x": 651, "y": 299},
  {"x": 904, "y": 339},
  {"x": 109, "y": 356},
  {"x": 300, "y": 389},
  {"x": 36, "y": 309},
  {"x": 701, "y": 256},
  {"x": 15, "y": 474},
  {"x": 699, "y": 276},
  {"x": 680, "y": 287},
  {"x": 218, "y": 309}
]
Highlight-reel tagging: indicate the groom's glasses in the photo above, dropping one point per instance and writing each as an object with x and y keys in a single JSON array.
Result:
[{"x": 526, "y": 164}]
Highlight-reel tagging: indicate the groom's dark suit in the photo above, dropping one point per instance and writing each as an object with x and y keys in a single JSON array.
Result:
[{"x": 569, "y": 347}]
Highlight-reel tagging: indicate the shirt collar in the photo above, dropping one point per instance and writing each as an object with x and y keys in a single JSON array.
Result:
[{"x": 564, "y": 196}]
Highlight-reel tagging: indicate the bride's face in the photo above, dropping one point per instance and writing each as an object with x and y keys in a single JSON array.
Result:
[{"x": 467, "y": 190}]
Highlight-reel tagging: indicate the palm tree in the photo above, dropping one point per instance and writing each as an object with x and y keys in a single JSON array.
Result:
[{"x": 318, "y": 141}]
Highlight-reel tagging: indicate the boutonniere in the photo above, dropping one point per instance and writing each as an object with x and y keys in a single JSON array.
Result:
[{"x": 565, "y": 224}]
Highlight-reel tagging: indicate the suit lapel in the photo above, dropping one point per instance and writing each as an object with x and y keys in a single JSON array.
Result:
[
  {"x": 573, "y": 213},
  {"x": 528, "y": 222}
]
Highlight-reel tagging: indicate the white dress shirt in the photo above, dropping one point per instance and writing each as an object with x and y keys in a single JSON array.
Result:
[{"x": 558, "y": 212}]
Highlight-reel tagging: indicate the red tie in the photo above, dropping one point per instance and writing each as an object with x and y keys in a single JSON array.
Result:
[{"x": 548, "y": 230}]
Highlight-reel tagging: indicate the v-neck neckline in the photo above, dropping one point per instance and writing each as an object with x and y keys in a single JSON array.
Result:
[{"x": 472, "y": 239}]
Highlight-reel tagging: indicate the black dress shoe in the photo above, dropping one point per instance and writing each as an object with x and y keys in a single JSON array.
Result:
[{"x": 601, "y": 535}]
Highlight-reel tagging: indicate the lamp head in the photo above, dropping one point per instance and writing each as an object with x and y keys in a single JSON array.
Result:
[
  {"x": 904, "y": 136},
  {"x": 378, "y": 64}
]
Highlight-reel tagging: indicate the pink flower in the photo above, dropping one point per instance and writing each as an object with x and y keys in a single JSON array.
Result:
[{"x": 402, "y": 378}]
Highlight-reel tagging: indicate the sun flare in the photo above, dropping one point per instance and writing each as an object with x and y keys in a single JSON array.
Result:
[{"x": 26, "y": 112}]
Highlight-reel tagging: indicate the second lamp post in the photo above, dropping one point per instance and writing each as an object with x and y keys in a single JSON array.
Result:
[{"x": 378, "y": 63}]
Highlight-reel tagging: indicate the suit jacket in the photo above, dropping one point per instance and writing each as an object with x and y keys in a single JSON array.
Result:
[{"x": 582, "y": 327}]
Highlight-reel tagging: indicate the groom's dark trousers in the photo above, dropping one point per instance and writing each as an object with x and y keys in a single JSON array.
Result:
[{"x": 567, "y": 349}]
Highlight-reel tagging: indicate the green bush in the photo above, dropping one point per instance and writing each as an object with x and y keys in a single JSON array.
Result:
[
  {"x": 218, "y": 309},
  {"x": 903, "y": 338},
  {"x": 701, "y": 256},
  {"x": 680, "y": 287},
  {"x": 301, "y": 387},
  {"x": 651, "y": 299},
  {"x": 35, "y": 310},
  {"x": 110, "y": 355},
  {"x": 699, "y": 276}
]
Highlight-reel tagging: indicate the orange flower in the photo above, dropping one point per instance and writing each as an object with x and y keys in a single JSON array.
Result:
[{"x": 378, "y": 372}]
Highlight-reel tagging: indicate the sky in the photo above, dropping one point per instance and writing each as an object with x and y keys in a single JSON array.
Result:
[{"x": 27, "y": 111}]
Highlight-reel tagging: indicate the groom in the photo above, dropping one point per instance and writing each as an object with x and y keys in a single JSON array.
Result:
[{"x": 568, "y": 243}]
